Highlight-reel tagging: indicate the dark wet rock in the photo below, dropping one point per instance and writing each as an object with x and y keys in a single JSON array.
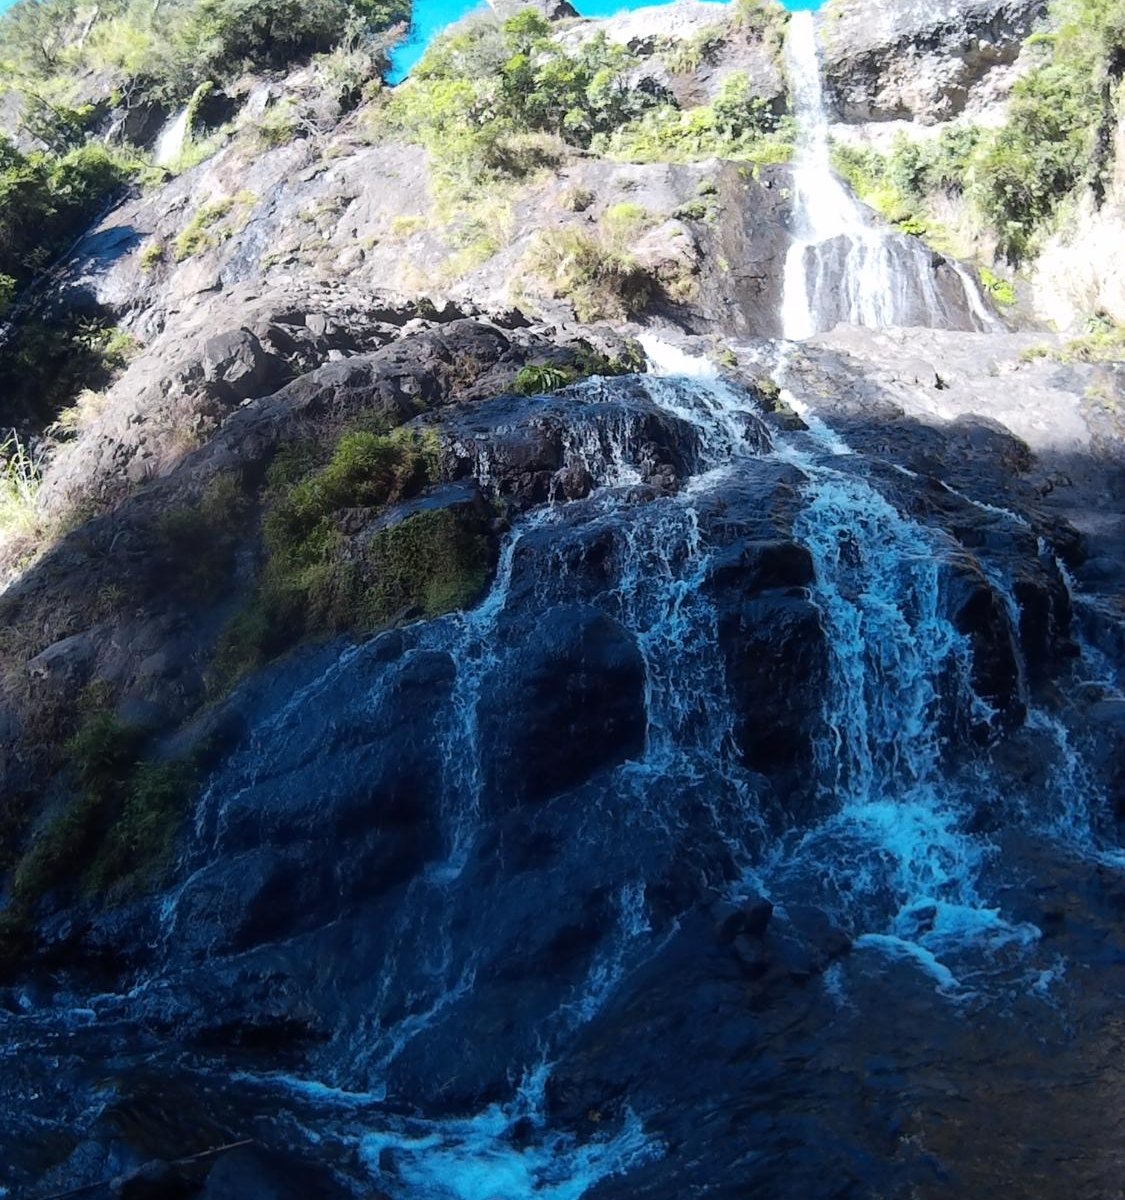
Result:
[
  {"x": 979, "y": 613},
  {"x": 568, "y": 702},
  {"x": 68, "y": 662},
  {"x": 775, "y": 661},
  {"x": 748, "y": 919},
  {"x": 253, "y": 1172},
  {"x": 154, "y": 1181},
  {"x": 531, "y": 450}
]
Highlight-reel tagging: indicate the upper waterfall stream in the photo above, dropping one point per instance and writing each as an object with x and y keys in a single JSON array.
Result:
[{"x": 842, "y": 266}]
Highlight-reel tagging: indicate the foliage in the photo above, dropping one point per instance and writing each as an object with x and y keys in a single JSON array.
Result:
[
  {"x": 306, "y": 583},
  {"x": 600, "y": 281},
  {"x": 1016, "y": 179},
  {"x": 116, "y": 826},
  {"x": 999, "y": 289},
  {"x": 576, "y": 199},
  {"x": 207, "y": 226},
  {"x": 764, "y": 19},
  {"x": 685, "y": 56},
  {"x": 151, "y": 256},
  {"x": 47, "y": 199},
  {"x": 198, "y": 540},
  {"x": 623, "y": 223},
  {"x": 165, "y": 51},
  {"x": 539, "y": 379},
  {"x": 47, "y": 362},
  {"x": 433, "y": 561},
  {"x": 480, "y": 91},
  {"x": 737, "y": 124},
  {"x": 19, "y": 488},
  {"x": 278, "y": 125}
]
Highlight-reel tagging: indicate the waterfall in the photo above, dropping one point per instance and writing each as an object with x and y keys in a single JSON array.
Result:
[
  {"x": 170, "y": 143},
  {"x": 840, "y": 267}
]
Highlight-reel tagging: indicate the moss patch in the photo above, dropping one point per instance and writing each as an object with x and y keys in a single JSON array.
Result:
[
  {"x": 321, "y": 574},
  {"x": 114, "y": 831}
]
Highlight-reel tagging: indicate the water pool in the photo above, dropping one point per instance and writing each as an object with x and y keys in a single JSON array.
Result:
[{"x": 432, "y": 16}]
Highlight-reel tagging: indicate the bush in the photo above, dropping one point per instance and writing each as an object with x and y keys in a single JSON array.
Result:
[
  {"x": 198, "y": 541},
  {"x": 687, "y": 55},
  {"x": 738, "y": 125},
  {"x": 480, "y": 91},
  {"x": 47, "y": 363},
  {"x": 168, "y": 50},
  {"x": 600, "y": 282},
  {"x": 1000, "y": 290},
  {"x": 305, "y": 585},
  {"x": 539, "y": 379},
  {"x": 116, "y": 828},
  {"x": 209, "y": 225},
  {"x": 19, "y": 489},
  {"x": 623, "y": 223},
  {"x": 46, "y": 200},
  {"x": 1054, "y": 143}
]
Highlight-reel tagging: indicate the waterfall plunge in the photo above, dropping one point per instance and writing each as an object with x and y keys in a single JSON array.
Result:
[{"x": 840, "y": 267}]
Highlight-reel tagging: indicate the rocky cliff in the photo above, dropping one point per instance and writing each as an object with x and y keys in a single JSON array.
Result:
[{"x": 483, "y": 715}]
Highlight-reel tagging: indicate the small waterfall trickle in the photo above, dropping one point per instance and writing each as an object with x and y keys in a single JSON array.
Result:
[
  {"x": 173, "y": 137},
  {"x": 840, "y": 267}
]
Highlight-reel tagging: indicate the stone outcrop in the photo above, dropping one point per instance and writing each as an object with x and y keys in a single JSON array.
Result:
[{"x": 910, "y": 60}]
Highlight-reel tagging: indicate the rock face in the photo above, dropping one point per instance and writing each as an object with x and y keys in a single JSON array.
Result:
[
  {"x": 747, "y": 715},
  {"x": 907, "y": 60}
]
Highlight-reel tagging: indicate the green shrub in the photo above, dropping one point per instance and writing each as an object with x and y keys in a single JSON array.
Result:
[
  {"x": 435, "y": 561},
  {"x": 600, "y": 282},
  {"x": 623, "y": 223},
  {"x": 1054, "y": 141},
  {"x": 693, "y": 210},
  {"x": 198, "y": 541},
  {"x": 278, "y": 125},
  {"x": 151, "y": 255},
  {"x": 764, "y": 19},
  {"x": 46, "y": 363},
  {"x": 101, "y": 755},
  {"x": 19, "y": 488},
  {"x": 687, "y": 55},
  {"x": 306, "y": 584},
  {"x": 481, "y": 91},
  {"x": 576, "y": 199},
  {"x": 540, "y": 379},
  {"x": 1000, "y": 290},
  {"x": 46, "y": 200},
  {"x": 115, "y": 830},
  {"x": 737, "y": 124},
  {"x": 204, "y": 229}
]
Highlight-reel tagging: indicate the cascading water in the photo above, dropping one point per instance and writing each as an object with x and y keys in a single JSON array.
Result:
[
  {"x": 893, "y": 852},
  {"x": 840, "y": 267},
  {"x": 173, "y": 137}
]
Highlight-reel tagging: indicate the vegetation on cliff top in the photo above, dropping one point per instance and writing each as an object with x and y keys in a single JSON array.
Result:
[
  {"x": 1019, "y": 179},
  {"x": 493, "y": 102},
  {"x": 50, "y": 50}
]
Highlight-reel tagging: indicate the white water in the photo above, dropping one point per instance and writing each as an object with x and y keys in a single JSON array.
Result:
[
  {"x": 894, "y": 858},
  {"x": 170, "y": 143},
  {"x": 840, "y": 266}
]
